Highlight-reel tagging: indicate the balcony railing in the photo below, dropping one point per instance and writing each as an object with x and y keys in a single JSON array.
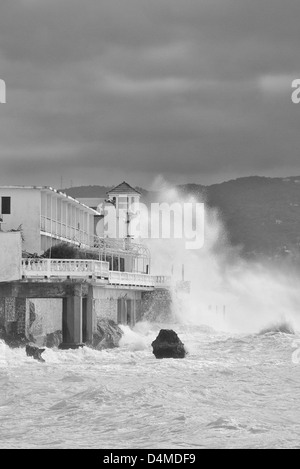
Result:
[
  {"x": 65, "y": 232},
  {"x": 64, "y": 268},
  {"x": 139, "y": 280},
  {"x": 162, "y": 281},
  {"x": 130, "y": 278},
  {"x": 89, "y": 269}
]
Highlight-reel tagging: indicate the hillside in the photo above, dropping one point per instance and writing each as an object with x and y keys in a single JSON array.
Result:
[
  {"x": 261, "y": 214},
  {"x": 87, "y": 191}
]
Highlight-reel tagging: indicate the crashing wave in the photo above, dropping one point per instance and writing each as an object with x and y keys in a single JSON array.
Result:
[{"x": 283, "y": 327}]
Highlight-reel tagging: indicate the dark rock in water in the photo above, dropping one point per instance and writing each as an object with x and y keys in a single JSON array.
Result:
[
  {"x": 54, "y": 339},
  {"x": 35, "y": 352},
  {"x": 108, "y": 334},
  {"x": 13, "y": 339},
  {"x": 168, "y": 345},
  {"x": 283, "y": 327}
]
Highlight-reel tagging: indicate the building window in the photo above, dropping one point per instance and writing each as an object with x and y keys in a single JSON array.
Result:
[{"x": 5, "y": 205}]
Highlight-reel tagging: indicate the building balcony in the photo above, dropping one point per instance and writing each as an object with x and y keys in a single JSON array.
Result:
[
  {"x": 89, "y": 269},
  {"x": 64, "y": 268},
  {"x": 138, "y": 280},
  {"x": 64, "y": 232}
]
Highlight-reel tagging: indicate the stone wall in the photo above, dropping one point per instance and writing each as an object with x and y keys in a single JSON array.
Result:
[
  {"x": 45, "y": 317},
  {"x": 22, "y": 319},
  {"x": 107, "y": 304},
  {"x": 13, "y": 317},
  {"x": 106, "y": 308},
  {"x": 41, "y": 319},
  {"x": 156, "y": 306}
]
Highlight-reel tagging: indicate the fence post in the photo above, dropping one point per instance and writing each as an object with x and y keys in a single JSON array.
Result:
[{"x": 48, "y": 274}]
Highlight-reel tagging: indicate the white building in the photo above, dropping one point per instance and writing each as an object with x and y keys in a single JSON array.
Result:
[{"x": 46, "y": 216}]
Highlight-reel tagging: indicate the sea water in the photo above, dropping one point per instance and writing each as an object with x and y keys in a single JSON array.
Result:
[{"x": 231, "y": 391}]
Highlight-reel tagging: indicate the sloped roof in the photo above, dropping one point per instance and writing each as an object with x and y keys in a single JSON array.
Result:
[
  {"x": 50, "y": 189},
  {"x": 123, "y": 188}
]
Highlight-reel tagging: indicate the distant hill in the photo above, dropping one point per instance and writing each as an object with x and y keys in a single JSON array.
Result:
[
  {"x": 87, "y": 191},
  {"x": 262, "y": 214}
]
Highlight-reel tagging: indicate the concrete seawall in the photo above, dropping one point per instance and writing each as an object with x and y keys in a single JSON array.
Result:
[{"x": 37, "y": 310}]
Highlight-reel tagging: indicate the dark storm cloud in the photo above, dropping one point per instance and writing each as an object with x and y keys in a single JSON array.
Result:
[{"x": 195, "y": 89}]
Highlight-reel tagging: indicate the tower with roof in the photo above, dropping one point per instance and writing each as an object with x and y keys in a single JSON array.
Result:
[{"x": 126, "y": 201}]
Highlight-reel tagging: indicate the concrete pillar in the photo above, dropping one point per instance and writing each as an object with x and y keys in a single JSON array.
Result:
[
  {"x": 88, "y": 315},
  {"x": 129, "y": 315},
  {"x": 133, "y": 313},
  {"x": 122, "y": 311},
  {"x": 22, "y": 316},
  {"x": 72, "y": 322}
]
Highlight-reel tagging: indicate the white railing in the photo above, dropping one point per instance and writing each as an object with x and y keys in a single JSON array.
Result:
[
  {"x": 37, "y": 268},
  {"x": 162, "y": 281},
  {"x": 139, "y": 280},
  {"x": 130, "y": 278},
  {"x": 79, "y": 268},
  {"x": 64, "y": 232}
]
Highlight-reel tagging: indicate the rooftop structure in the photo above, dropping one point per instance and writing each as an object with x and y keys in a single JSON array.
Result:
[{"x": 123, "y": 189}]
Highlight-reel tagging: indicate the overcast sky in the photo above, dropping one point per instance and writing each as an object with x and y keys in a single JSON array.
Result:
[{"x": 99, "y": 91}]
